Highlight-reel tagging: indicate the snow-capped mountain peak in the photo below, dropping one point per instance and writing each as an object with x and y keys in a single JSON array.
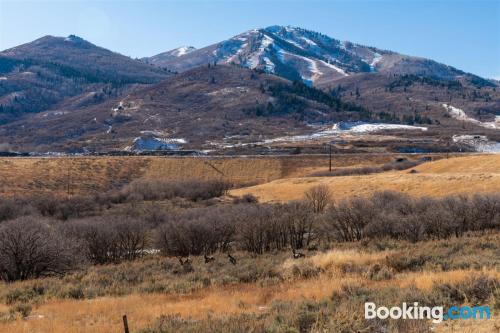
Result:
[{"x": 298, "y": 54}]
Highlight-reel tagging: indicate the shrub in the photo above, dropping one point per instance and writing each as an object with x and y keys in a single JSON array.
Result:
[
  {"x": 23, "y": 309},
  {"x": 398, "y": 164},
  {"x": 30, "y": 249},
  {"x": 64, "y": 208},
  {"x": 107, "y": 240},
  {"x": 377, "y": 272},
  {"x": 160, "y": 190},
  {"x": 246, "y": 198},
  {"x": 318, "y": 197},
  {"x": 197, "y": 231},
  {"x": 396, "y": 215},
  {"x": 9, "y": 209},
  {"x": 476, "y": 290},
  {"x": 405, "y": 261}
]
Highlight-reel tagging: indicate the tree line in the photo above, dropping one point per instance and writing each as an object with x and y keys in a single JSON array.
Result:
[{"x": 37, "y": 243}]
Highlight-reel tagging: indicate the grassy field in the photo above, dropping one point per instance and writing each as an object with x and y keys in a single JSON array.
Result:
[
  {"x": 469, "y": 174},
  {"x": 266, "y": 291},
  {"x": 90, "y": 175},
  {"x": 152, "y": 287}
]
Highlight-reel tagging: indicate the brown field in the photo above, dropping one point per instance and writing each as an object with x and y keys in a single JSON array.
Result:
[
  {"x": 263, "y": 290},
  {"x": 103, "y": 314},
  {"x": 439, "y": 178},
  {"x": 90, "y": 175}
]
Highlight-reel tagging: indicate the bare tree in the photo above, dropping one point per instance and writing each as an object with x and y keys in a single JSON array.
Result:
[
  {"x": 98, "y": 239},
  {"x": 31, "y": 249},
  {"x": 132, "y": 238},
  {"x": 318, "y": 197}
]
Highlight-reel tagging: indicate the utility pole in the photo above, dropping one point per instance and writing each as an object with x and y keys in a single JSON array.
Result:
[
  {"x": 330, "y": 155},
  {"x": 69, "y": 179}
]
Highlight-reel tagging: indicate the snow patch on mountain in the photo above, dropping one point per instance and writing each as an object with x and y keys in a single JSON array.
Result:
[
  {"x": 338, "y": 129},
  {"x": 338, "y": 69},
  {"x": 183, "y": 50},
  {"x": 459, "y": 114},
  {"x": 359, "y": 127},
  {"x": 326, "y": 132},
  {"x": 376, "y": 59},
  {"x": 479, "y": 143}
]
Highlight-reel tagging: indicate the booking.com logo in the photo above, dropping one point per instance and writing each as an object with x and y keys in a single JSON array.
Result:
[{"x": 436, "y": 313}]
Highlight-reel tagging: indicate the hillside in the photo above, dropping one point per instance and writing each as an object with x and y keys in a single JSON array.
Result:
[
  {"x": 440, "y": 178},
  {"x": 264, "y": 91},
  {"x": 38, "y": 75},
  {"x": 420, "y": 99},
  {"x": 393, "y": 86},
  {"x": 188, "y": 110}
]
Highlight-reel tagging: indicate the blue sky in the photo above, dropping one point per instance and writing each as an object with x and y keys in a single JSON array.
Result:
[{"x": 464, "y": 34}]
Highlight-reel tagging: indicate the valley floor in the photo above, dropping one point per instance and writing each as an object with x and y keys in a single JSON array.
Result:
[{"x": 272, "y": 292}]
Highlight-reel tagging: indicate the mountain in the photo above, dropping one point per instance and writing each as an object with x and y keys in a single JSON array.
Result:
[
  {"x": 171, "y": 55},
  {"x": 38, "y": 75},
  {"x": 392, "y": 86},
  {"x": 194, "y": 108},
  {"x": 300, "y": 54},
  {"x": 281, "y": 85}
]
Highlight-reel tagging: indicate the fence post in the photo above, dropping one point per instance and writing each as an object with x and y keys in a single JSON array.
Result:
[{"x": 125, "y": 323}]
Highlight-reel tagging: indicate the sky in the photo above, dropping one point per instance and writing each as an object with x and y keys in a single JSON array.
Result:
[{"x": 463, "y": 34}]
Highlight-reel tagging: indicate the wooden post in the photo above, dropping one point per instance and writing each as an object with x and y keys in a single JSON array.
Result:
[{"x": 125, "y": 324}]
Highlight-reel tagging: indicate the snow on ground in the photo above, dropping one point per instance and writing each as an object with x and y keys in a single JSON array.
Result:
[
  {"x": 183, "y": 50},
  {"x": 269, "y": 65},
  {"x": 308, "y": 41},
  {"x": 154, "y": 143},
  {"x": 376, "y": 127},
  {"x": 291, "y": 41},
  {"x": 53, "y": 113},
  {"x": 228, "y": 91},
  {"x": 492, "y": 124},
  {"x": 110, "y": 128},
  {"x": 3, "y": 78},
  {"x": 376, "y": 59},
  {"x": 337, "y": 130},
  {"x": 459, "y": 114},
  {"x": 338, "y": 69},
  {"x": 234, "y": 57},
  {"x": 254, "y": 60},
  {"x": 479, "y": 142},
  {"x": 314, "y": 72},
  {"x": 347, "y": 128}
]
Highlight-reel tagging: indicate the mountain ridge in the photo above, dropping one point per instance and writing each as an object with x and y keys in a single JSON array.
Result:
[
  {"x": 315, "y": 58},
  {"x": 40, "y": 74},
  {"x": 67, "y": 94}
]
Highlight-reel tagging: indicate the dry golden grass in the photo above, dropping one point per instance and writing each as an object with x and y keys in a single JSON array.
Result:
[
  {"x": 467, "y": 175},
  {"x": 425, "y": 280},
  {"x": 470, "y": 326},
  {"x": 103, "y": 315},
  {"x": 337, "y": 258},
  {"x": 90, "y": 175},
  {"x": 467, "y": 164}
]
